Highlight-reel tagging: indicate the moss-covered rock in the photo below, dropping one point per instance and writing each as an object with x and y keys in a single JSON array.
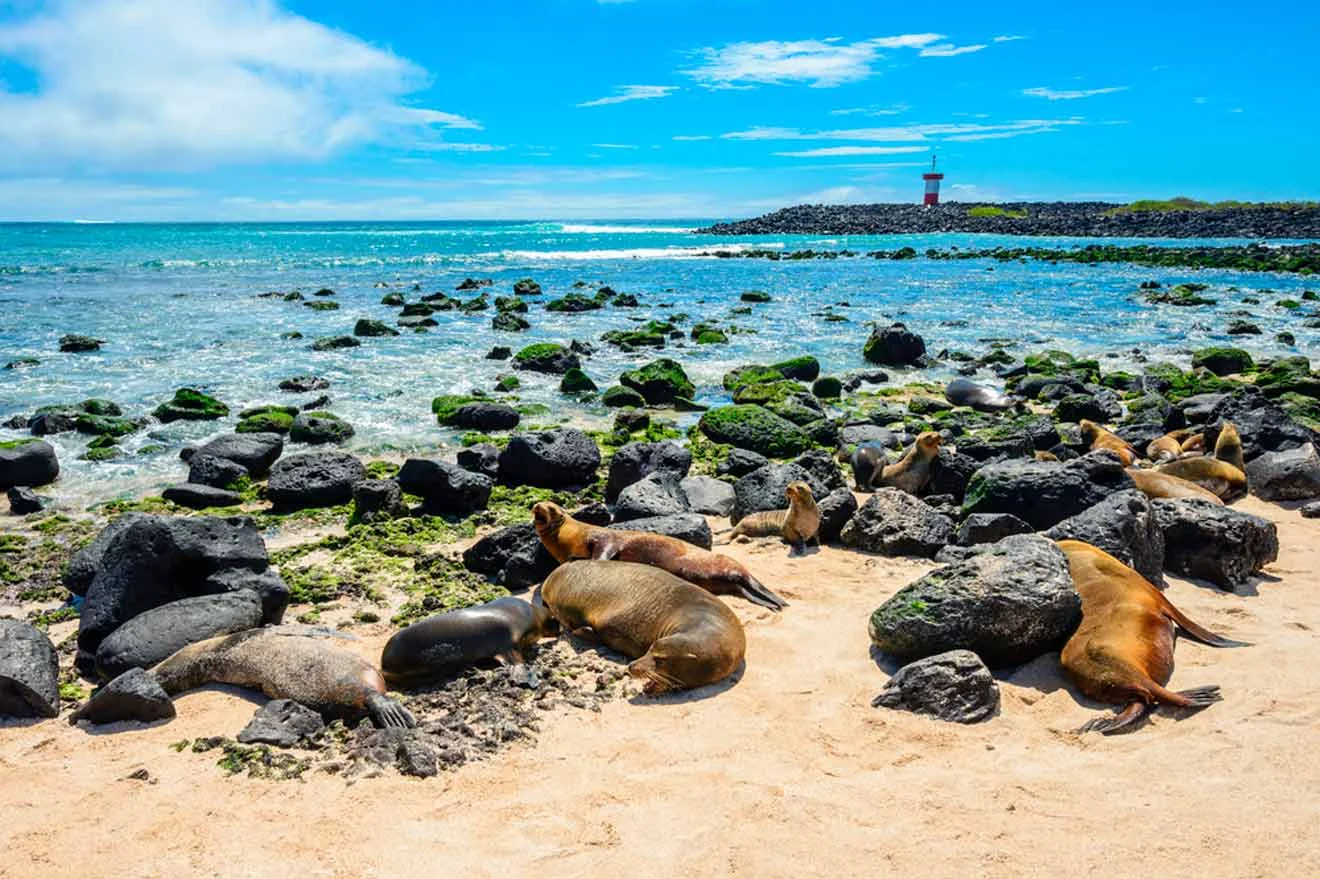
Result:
[
  {"x": 318, "y": 428},
  {"x": 1288, "y": 375},
  {"x": 755, "y": 296},
  {"x": 827, "y": 388},
  {"x": 266, "y": 422},
  {"x": 321, "y": 305},
  {"x": 446, "y": 405},
  {"x": 191, "y": 404},
  {"x": 1223, "y": 360},
  {"x": 659, "y": 382},
  {"x": 763, "y": 393},
  {"x": 369, "y": 327},
  {"x": 620, "y": 397},
  {"x": 756, "y": 429},
  {"x": 546, "y": 357},
  {"x": 96, "y": 406},
  {"x": 630, "y": 339},
  {"x": 572, "y": 303},
  {"x": 394, "y": 300},
  {"x": 106, "y": 425},
  {"x": 527, "y": 287},
  {"x": 508, "y": 383},
  {"x": 1175, "y": 384},
  {"x": 749, "y": 375},
  {"x": 804, "y": 369},
  {"x": 333, "y": 343},
  {"x": 1184, "y": 295},
  {"x": 576, "y": 381},
  {"x": 509, "y": 322}
]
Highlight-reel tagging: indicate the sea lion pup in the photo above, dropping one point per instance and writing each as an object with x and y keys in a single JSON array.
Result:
[
  {"x": 1045, "y": 456},
  {"x": 680, "y": 636},
  {"x": 1226, "y": 481},
  {"x": 1154, "y": 484},
  {"x": 1167, "y": 447},
  {"x": 868, "y": 460},
  {"x": 964, "y": 392},
  {"x": 912, "y": 472},
  {"x": 1194, "y": 443},
  {"x": 1228, "y": 447},
  {"x": 566, "y": 538},
  {"x": 286, "y": 662},
  {"x": 1123, "y": 650},
  {"x": 797, "y": 525},
  {"x": 1096, "y": 437},
  {"x": 498, "y": 631}
]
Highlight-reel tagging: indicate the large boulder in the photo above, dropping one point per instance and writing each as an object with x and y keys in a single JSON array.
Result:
[
  {"x": 546, "y": 357},
  {"x": 763, "y": 489},
  {"x": 213, "y": 471},
  {"x": 29, "y": 671},
  {"x": 135, "y": 695},
  {"x": 1211, "y": 542},
  {"x": 635, "y": 460},
  {"x": 658, "y": 494},
  {"x": 376, "y": 500},
  {"x": 314, "y": 479},
  {"x": 708, "y": 495},
  {"x": 690, "y": 527},
  {"x": 740, "y": 462},
  {"x": 755, "y": 428},
  {"x": 836, "y": 509},
  {"x": 550, "y": 459},
  {"x": 660, "y": 382},
  {"x": 320, "y": 428},
  {"x": 950, "y": 473},
  {"x": 990, "y": 528},
  {"x": 1291, "y": 475},
  {"x": 256, "y": 452},
  {"x": 151, "y": 637},
  {"x": 955, "y": 686},
  {"x": 27, "y": 463},
  {"x": 1123, "y": 525},
  {"x": 893, "y": 522},
  {"x": 894, "y": 345},
  {"x": 513, "y": 557},
  {"x": 83, "y": 564},
  {"x": 483, "y": 458},
  {"x": 1044, "y": 493},
  {"x": 23, "y": 501},
  {"x": 445, "y": 489},
  {"x": 484, "y": 417},
  {"x": 200, "y": 497},
  {"x": 824, "y": 473},
  {"x": 1010, "y": 603}
]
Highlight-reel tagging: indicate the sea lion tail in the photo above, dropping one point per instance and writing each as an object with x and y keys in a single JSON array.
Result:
[
  {"x": 387, "y": 713},
  {"x": 1198, "y": 632},
  {"x": 754, "y": 591},
  {"x": 1112, "y": 723},
  {"x": 1200, "y": 697}
]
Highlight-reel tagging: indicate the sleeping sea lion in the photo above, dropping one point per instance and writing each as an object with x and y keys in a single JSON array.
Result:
[
  {"x": 1194, "y": 443},
  {"x": 964, "y": 392},
  {"x": 1045, "y": 456},
  {"x": 1223, "y": 479},
  {"x": 1154, "y": 484},
  {"x": 1096, "y": 437},
  {"x": 912, "y": 472},
  {"x": 1123, "y": 650},
  {"x": 867, "y": 462},
  {"x": 797, "y": 525},
  {"x": 566, "y": 538},
  {"x": 287, "y": 662},
  {"x": 443, "y": 645},
  {"x": 680, "y": 636},
  {"x": 1167, "y": 447}
]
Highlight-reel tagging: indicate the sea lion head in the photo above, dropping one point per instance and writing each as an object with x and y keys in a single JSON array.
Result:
[
  {"x": 548, "y": 517},
  {"x": 929, "y": 444},
  {"x": 1090, "y": 431},
  {"x": 668, "y": 663},
  {"x": 799, "y": 492}
]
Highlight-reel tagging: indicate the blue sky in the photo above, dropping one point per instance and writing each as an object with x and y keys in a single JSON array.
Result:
[{"x": 243, "y": 109}]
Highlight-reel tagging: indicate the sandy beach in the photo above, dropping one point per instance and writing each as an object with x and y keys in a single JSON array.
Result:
[{"x": 783, "y": 771}]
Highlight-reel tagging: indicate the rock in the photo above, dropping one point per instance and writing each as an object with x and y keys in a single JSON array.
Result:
[
  {"x": 74, "y": 343},
  {"x": 1196, "y": 409},
  {"x": 631, "y": 420},
  {"x": 1290, "y": 475},
  {"x": 950, "y": 473},
  {"x": 1074, "y": 407},
  {"x": 594, "y": 514},
  {"x": 636, "y": 460},
  {"x": 990, "y": 528},
  {"x": 955, "y": 686},
  {"x": 857, "y": 434},
  {"x": 513, "y": 557},
  {"x": 155, "y": 560},
  {"x": 482, "y": 458},
  {"x": 893, "y": 522},
  {"x": 254, "y": 451},
  {"x": 190, "y": 404},
  {"x": 1124, "y": 526},
  {"x": 657, "y": 494},
  {"x": 84, "y": 563},
  {"x": 546, "y": 357},
  {"x": 156, "y": 634},
  {"x": 499, "y": 352},
  {"x": 836, "y": 509},
  {"x": 335, "y": 343},
  {"x": 576, "y": 381},
  {"x": 763, "y": 489},
  {"x": 49, "y": 423},
  {"x": 1223, "y": 360},
  {"x": 213, "y": 471},
  {"x": 320, "y": 428},
  {"x": 484, "y": 417},
  {"x": 894, "y": 345},
  {"x": 23, "y": 501},
  {"x": 527, "y": 287},
  {"x": 134, "y": 695},
  {"x": 1264, "y": 426},
  {"x": 754, "y": 428},
  {"x": 445, "y": 488},
  {"x": 740, "y": 462},
  {"x": 660, "y": 382},
  {"x": 827, "y": 388},
  {"x": 854, "y": 380},
  {"x": 508, "y": 322},
  {"x": 27, "y": 463},
  {"x": 200, "y": 497},
  {"x": 1215, "y": 543},
  {"x": 314, "y": 479},
  {"x": 1044, "y": 493},
  {"x": 618, "y": 397},
  {"x": 804, "y": 369},
  {"x": 283, "y": 723},
  {"x": 304, "y": 384},
  {"x": 366, "y": 327},
  {"x": 686, "y": 526},
  {"x": 1011, "y": 602},
  {"x": 708, "y": 495},
  {"x": 375, "y": 500},
  {"x": 29, "y": 671},
  {"x": 1311, "y": 510},
  {"x": 550, "y": 459}
]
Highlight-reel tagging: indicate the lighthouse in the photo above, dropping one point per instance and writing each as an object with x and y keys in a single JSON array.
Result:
[{"x": 932, "y": 178}]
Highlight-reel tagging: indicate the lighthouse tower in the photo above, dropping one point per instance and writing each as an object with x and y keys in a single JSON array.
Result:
[{"x": 932, "y": 178}]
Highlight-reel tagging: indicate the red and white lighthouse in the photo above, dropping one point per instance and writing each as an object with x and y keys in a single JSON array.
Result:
[{"x": 932, "y": 178}]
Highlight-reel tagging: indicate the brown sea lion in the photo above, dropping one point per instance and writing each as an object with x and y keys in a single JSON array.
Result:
[
  {"x": 1045, "y": 456},
  {"x": 1123, "y": 650},
  {"x": 287, "y": 662},
  {"x": 1096, "y": 437},
  {"x": 1167, "y": 447},
  {"x": 912, "y": 472},
  {"x": 797, "y": 525},
  {"x": 680, "y": 636},
  {"x": 1194, "y": 443},
  {"x": 440, "y": 646},
  {"x": 1228, "y": 447},
  {"x": 566, "y": 538},
  {"x": 1154, "y": 484},
  {"x": 1226, "y": 481}
]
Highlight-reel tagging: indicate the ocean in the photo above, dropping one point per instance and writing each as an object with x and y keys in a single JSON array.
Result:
[{"x": 179, "y": 305}]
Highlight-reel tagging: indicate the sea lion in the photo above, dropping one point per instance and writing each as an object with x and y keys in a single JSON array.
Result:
[
  {"x": 868, "y": 460},
  {"x": 1167, "y": 447},
  {"x": 964, "y": 392},
  {"x": 287, "y": 662},
  {"x": 1228, "y": 447},
  {"x": 797, "y": 525},
  {"x": 680, "y": 636},
  {"x": 1154, "y": 484},
  {"x": 912, "y": 472},
  {"x": 1226, "y": 481},
  {"x": 1045, "y": 456},
  {"x": 1194, "y": 443},
  {"x": 1096, "y": 437},
  {"x": 567, "y": 538},
  {"x": 1123, "y": 650},
  {"x": 439, "y": 646}
]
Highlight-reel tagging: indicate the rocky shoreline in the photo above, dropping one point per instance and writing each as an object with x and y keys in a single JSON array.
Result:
[{"x": 1080, "y": 219}]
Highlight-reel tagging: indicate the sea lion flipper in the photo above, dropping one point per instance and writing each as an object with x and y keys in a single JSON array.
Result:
[
  {"x": 1196, "y": 631},
  {"x": 387, "y": 713},
  {"x": 1200, "y": 697},
  {"x": 1114, "y": 722},
  {"x": 756, "y": 593}
]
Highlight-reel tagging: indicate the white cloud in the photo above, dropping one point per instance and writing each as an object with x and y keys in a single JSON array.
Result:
[
  {"x": 1008, "y": 38},
  {"x": 456, "y": 147},
  {"x": 948, "y": 50},
  {"x": 1070, "y": 95},
  {"x": 1200, "y": 100},
  {"x": 819, "y": 63},
  {"x": 910, "y": 133},
  {"x": 690, "y": 137},
  {"x": 615, "y": 146},
  {"x": 633, "y": 93},
  {"x": 873, "y": 110},
  {"x": 853, "y": 151},
  {"x": 163, "y": 84}
]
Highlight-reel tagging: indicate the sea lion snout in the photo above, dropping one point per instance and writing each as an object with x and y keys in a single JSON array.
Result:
[{"x": 546, "y": 515}]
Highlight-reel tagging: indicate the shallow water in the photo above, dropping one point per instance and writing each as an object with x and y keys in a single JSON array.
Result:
[{"x": 177, "y": 304}]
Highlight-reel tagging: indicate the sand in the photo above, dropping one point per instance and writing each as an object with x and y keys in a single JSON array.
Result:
[{"x": 785, "y": 771}]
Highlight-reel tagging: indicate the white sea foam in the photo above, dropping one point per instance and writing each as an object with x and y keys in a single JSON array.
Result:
[
  {"x": 703, "y": 252},
  {"x": 591, "y": 229}
]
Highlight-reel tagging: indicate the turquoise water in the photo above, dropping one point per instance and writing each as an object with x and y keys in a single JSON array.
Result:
[{"x": 178, "y": 305}]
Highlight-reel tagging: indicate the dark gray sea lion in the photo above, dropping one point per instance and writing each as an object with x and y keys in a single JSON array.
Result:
[
  {"x": 964, "y": 392},
  {"x": 439, "y": 646},
  {"x": 680, "y": 636},
  {"x": 287, "y": 662},
  {"x": 868, "y": 460}
]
